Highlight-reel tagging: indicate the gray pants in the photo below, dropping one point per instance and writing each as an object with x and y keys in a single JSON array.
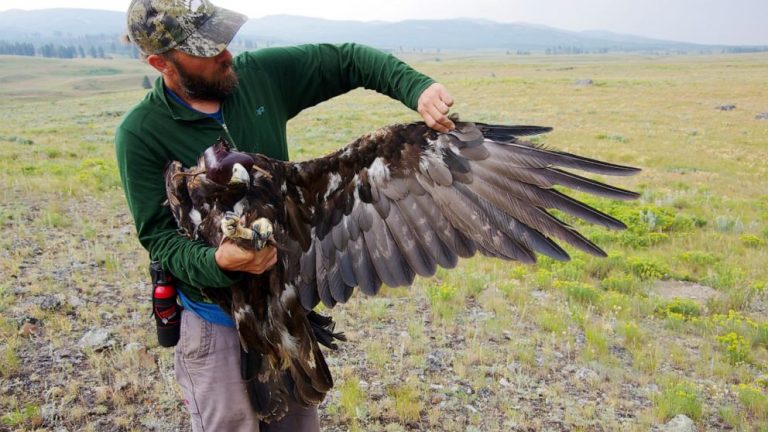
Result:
[{"x": 207, "y": 364}]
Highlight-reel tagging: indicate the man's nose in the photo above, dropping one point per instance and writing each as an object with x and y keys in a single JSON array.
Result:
[{"x": 224, "y": 56}]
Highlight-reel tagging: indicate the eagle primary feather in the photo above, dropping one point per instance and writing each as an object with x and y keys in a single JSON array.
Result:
[{"x": 395, "y": 203}]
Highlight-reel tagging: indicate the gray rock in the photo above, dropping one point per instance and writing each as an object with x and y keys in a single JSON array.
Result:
[
  {"x": 650, "y": 389},
  {"x": 48, "y": 411},
  {"x": 726, "y": 107},
  {"x": 50, "y": 303},
  {"x": 583, "y": 82},
  {"x": 75, "y": 301},
  {"x": 133, "y": 346},
  {"x": 762, "y": 116},
  {"x": 96, "y": 339},
  {"x": 680, "y": 423},
  {"x": 586, "y": 374}
]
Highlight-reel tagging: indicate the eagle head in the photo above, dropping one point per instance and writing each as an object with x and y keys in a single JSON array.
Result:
[
  {"x": 240, "y": 174},
  {"x": 224, "y": 166}
]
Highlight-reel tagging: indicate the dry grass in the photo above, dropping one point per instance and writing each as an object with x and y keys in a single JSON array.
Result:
[{"x": 584, "y": 345}]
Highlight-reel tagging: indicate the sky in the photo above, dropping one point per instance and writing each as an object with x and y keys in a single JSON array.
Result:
[{"x": 733, "y": 22}]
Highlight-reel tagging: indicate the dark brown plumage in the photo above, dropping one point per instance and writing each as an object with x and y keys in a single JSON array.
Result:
[{"x": 396, "y": 203}]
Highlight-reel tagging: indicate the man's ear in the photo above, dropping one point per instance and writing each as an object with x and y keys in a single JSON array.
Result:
[{"x": 159, "y": 63}]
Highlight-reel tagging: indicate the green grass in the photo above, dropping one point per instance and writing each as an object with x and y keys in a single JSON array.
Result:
[
  {"x": 679, "y": 398},
  {"x": 513, "y": 334}
]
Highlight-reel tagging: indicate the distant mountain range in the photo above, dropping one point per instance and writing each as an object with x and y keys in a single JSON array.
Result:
[{"x": 62, "y": 26}]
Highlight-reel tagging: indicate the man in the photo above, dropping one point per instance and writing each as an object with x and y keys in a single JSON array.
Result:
[{"x": 205, "y": 93}]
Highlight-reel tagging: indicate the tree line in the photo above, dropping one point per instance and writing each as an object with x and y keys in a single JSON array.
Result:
[{"x": 52, "y": 50}]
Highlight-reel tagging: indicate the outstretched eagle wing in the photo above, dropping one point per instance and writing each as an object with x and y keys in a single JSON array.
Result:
[{"x": 405, "y": 199}]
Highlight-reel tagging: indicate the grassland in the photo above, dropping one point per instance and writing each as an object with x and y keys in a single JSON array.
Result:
[{"x": 672, "y": 322}]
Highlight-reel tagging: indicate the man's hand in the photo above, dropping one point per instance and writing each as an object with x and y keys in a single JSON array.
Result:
[
  {"x": 434, "y": 104},
  {"x": 231, "y": 257}
]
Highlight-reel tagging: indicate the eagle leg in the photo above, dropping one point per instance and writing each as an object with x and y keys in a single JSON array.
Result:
[
  {"x": 262, "y": 231},
  {"x": 230, "y": 227},
  {"x": 259, "y": 233}
]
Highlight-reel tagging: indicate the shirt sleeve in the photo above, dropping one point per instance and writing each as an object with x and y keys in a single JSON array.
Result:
[
  {"x": 310, "y": 74},
  {"x": 141, "y": 173}
]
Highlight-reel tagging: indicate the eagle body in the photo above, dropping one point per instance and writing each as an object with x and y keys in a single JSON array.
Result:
[{"x": 395, "y": 203}]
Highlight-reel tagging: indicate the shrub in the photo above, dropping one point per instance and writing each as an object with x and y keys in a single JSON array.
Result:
[
  {"x": 751, "y": 241},
  {"x": 407, "y": 404},
  {"x": 683, "y": 223},
  {"x": 726, "y": 224},
  {"x": 678, "y": 398},
  {"x": 736, "y": 347},
  {"x": 632, "y": 334},
  {"x": 754, "y": 399},
  {"x": 572, "y": 270},
  {"x": 542, "y": 279},
  {"x": 601, "y": 267},
  {"x": 699, "y": 258},
  {"x": 597, "y": 342},
  {"x": 351, "y": 398},
  {"x": 442, "y": 299},
  {"x": 761, "y": 335},
  {"x": 648, "y": 269},
  {"x": 20, "y": 416},
  {"x": 684, "y": 309},
  {"x": 622, "y": 283},
  {"x": 552, "y": 322},
  {"x": 580, "y": 292},
  {"x": 724, "y": 276}
]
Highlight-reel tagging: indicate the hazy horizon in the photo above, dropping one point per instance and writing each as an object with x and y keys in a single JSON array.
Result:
[{"x": 736, "y": 22}]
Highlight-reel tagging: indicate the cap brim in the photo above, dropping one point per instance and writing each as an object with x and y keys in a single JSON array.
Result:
[{"x": 213, "y": 37}]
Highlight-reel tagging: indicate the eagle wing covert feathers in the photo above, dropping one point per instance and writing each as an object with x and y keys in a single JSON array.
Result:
[
  {"x": 393, "y": 204},
  {"x": 405, "y": 199}
]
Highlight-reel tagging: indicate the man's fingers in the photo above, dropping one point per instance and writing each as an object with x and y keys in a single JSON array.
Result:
[
  {"x": 442, "y": 107},
  {"x": 442, "y": 122},
  {"x": 434, "y": 124},
  {"x": 446, "y": 98},
  {"x": 434, "y": 104}
]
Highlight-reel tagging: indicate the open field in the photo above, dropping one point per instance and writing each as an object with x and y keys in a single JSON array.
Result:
[{"x": 674, "y": 321}]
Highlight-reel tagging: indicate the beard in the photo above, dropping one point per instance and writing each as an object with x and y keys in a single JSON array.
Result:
[{"x": 202, "y": 88}]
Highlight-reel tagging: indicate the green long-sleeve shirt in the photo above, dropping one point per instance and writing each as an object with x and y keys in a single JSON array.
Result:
[{"x": 275, "y": 84}]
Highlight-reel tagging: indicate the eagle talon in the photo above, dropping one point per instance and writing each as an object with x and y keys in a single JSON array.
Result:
[
  {"x": 262, "y": 231},
  {"x": 230, "y": 225}
]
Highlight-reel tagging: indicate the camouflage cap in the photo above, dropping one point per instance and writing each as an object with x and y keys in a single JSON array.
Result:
[{"x": 196, "y": 27}]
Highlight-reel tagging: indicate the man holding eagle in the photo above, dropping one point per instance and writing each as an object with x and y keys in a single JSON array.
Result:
[{"x": 255, "y": 242}]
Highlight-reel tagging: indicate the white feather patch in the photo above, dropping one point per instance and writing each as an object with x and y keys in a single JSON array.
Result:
[
  {"x": 333, "y": 184},
  {"x": 241, "y": 313},
  {"x": 288, "y": 295},
  {"x": 355, "y": 193},
  {"x": 195, "y": 216},
  {"x": 430, "y": 157},
  {"x": 288, "y": 342},
  {"x": 378, "y": 172},
  {"x": 239, "y": 207}
]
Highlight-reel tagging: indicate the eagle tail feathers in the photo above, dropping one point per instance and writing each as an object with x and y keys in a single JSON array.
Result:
[{"x": 266, "y": 390}]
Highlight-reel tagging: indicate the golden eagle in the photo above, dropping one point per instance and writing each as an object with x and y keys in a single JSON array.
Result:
[{"x": 393, "y": 204}]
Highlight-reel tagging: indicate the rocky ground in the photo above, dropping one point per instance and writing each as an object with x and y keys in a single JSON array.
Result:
[{"x": 87, "y": 358}]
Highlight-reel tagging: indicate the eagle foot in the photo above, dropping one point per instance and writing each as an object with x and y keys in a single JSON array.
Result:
[
  {"x": 231, "y": 228},
  {"x": 262, "y": 231},
  {"x": 259, "y": 233}
]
